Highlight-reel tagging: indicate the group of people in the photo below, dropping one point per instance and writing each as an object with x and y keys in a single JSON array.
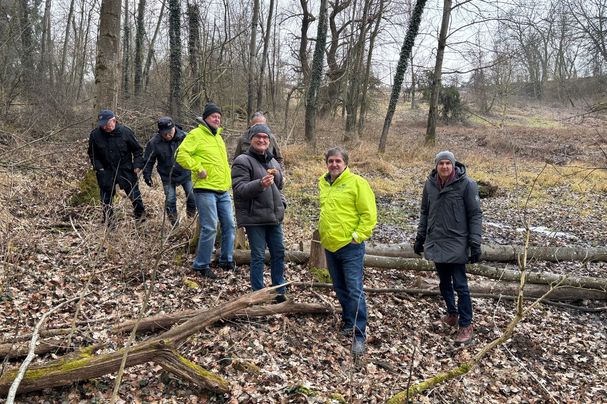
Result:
[{"x": 449, "y": 231}]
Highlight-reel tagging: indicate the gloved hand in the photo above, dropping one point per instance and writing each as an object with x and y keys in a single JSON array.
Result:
[
  {"x": 148, "y": 181},
  {"x": 418, "y": 246},
  {"x": 475, "y": 253}
]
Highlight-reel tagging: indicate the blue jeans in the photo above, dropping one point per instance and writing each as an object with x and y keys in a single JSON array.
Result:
[
  {"x": 213, "y": 207},
  {"x": 453, "y": 277},
  {"x": 258, "y": 237},
  {"x": 346, "y": 270},
  {"x": 170, "y": 202}
]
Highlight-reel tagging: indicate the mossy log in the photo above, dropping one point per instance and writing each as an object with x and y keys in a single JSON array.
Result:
[
  {"x": 505, "y": 253},
  {"x": 159, "y": 350}
]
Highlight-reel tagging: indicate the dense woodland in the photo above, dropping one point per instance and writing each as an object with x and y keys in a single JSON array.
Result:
[{"x": 517, "y": 90}]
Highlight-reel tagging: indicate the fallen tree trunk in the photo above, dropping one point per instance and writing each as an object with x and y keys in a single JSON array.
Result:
[
  {"x": 505, "y": 253},
  {"x": 160, "y": 350},
  {"x": 417, "y": 264}
]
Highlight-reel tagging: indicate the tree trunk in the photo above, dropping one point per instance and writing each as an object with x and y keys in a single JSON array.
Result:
[
  {"x": 175, "y": 59},
  {"x": 70, "y": 15},
  {"x": 506, "y": 253},
  {"x": 306, "y": 20},
  {"x": 266, "y": 46},
  {"x": 139, "y": 47},
  {"x": 316, "y": 76},
  {"x": 436, "y": 76},
  {"x": 126, "y": 53},
  {"x": 252, "y": 54},
  {"x": 148, "y": 60},
  {"x": 318, "y": 258},
  {"x": 194, "y": 55},
  {"x": 108, "y": 54},
  {"x": 405, "y": 51}
]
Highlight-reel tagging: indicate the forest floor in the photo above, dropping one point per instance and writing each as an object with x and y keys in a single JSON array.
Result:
[{"x": 550, "y": 167}]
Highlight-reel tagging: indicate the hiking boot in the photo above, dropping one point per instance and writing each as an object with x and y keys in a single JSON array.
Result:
[
  {"x": 464, "y": 335},
  {"x": 227, "y": 266},
  {"x": 280, "y": 299},
  {"x": 206, "y": 272},
  {"x": 358, "y": 347},
  {"x": 448, "y": 320},
  {"x": 346, "y": 331}
]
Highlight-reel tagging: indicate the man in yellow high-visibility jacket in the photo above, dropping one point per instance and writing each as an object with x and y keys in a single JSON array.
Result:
[
  {"x": 347, "y": 217},
  {"x": 204, "y": 153}
]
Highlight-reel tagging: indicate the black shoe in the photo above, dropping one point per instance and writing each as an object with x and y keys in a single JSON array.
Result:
[
  {"x": 206, "y": 272},
  {"x": 280, "y": 299},
  {"x": 228, "y": 266}
]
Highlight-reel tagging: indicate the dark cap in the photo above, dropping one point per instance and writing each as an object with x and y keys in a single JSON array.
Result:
[
  {"x": 165, "y": 124},
  {"x": 104, "y": 116},
  {"x": 259, "y": 128},
  {"x": 209, "y": 109}
]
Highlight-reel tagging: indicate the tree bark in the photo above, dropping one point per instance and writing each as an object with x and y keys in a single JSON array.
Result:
[
  {"x": 140, "y": 33},
  {"x": 252, "y": 54},
  {"x": 315, "y": 76},
  {"x": 108, "y": 54},
  {"x": 175, "y": 59},
  {"x": 401, "y": 68},
  {"x": 436, "y": 76}
]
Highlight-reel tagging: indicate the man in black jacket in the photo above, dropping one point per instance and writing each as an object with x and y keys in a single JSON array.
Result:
[
  {"x": 161, "y": 149},
  {"x": 260, "y": 206},
  {"x": 117, "y": 159},
  {"x": 449, "y": 232}
]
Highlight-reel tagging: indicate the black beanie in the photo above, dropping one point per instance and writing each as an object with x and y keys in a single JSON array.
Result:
[{"x": 209, "y": 109}]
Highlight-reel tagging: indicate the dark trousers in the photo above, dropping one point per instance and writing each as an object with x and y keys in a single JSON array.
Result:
[
  {"x": 453, "y": 278},
  {"x": 132, "y": 191}
]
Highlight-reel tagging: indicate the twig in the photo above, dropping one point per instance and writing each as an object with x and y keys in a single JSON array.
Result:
[{"x": 10, "y": 399}]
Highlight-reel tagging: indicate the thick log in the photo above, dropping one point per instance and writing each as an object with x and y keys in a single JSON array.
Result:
[
  {"x": 317, "y": 252},
  {"x": 159, "y": 350},
  {"x": 505, "y": 253},
  {"x": 164, "y": 321},
  {"x": 417, "y": 264}
]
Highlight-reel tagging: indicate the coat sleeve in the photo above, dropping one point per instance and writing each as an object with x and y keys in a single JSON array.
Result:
[
  {"x": 244, "y": 185},
  {"x": 185, "y": 154},
  {"x": 367, "y": 211},
  {"x": 474, "y": 213},
  {"x": 149, "y": 158},
  {"x": 135, "y": 148},
  {"x": 422, "y": 227},
  {"x": 97, "y": 165}
]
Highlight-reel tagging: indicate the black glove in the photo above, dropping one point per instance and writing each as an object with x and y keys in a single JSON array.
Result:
[
  {"x": 475, "y": 254},
  {"x": 149, "y": 181},
  {"x": 418, "y": 246}
]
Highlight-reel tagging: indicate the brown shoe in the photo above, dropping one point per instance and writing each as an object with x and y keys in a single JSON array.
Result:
[
  {"x": 464, "y": 335},
  {"x": 449, "y": 320}
]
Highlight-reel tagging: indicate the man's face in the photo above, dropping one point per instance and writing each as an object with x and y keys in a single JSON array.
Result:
[
  {"x": 110, "y": 125},
  {"x": 335, "y": 165},
  {"x": 213, "y": 120},
  {"x": 168, "y": 136},
  {"x": 260, "y": 142},
  {"x": 444, "y": 168}
]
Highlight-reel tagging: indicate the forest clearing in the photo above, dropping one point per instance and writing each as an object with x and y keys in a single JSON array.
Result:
[{"x": 551, "y": 178}]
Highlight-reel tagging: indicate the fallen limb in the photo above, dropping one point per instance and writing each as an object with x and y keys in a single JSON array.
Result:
[
  {"x": 417, "y": 264},
  {"x": 505, "y": 253},
  {"x": 158, "y": 350}
]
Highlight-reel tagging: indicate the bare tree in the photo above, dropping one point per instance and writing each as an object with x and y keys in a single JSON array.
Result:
[
  {"x": 126, "y": 52},
  {"x": 175, "y": 59},
  {"x": 193, "y": 13},
  {"x": 401, "y": 68},
  {"x": 264, "y": 56},
  {"x": 108, "y": 54},
  {"x": 140, "y": 27},
  {"x": 316, "y": 76},
  {"x": 252, "y": 54}
]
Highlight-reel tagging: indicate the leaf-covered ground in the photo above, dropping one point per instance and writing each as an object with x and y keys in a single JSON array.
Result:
[{"x": 52, "y": 251}]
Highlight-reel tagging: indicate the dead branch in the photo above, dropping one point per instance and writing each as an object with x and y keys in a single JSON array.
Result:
[{"x": 159, "y": 350}]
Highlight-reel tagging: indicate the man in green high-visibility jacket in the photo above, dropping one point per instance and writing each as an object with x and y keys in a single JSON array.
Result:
[{"x": 347, "y": 217}]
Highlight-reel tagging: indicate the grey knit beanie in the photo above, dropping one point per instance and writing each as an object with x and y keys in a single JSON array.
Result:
[
  {"x": 259, "y": 128},
  {"x": 444, "y": 155}
]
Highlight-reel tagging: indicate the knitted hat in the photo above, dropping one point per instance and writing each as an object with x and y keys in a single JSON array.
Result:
[
  {"x": 209, "y": 109},
  {"x": 259, "y": 128},
  {"x": 444, "y": 155}
]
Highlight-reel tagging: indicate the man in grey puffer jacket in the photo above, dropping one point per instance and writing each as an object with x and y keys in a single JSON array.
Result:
[
  {"x": 449, "y": 232},
  {"x": 260, "y": 206}
]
